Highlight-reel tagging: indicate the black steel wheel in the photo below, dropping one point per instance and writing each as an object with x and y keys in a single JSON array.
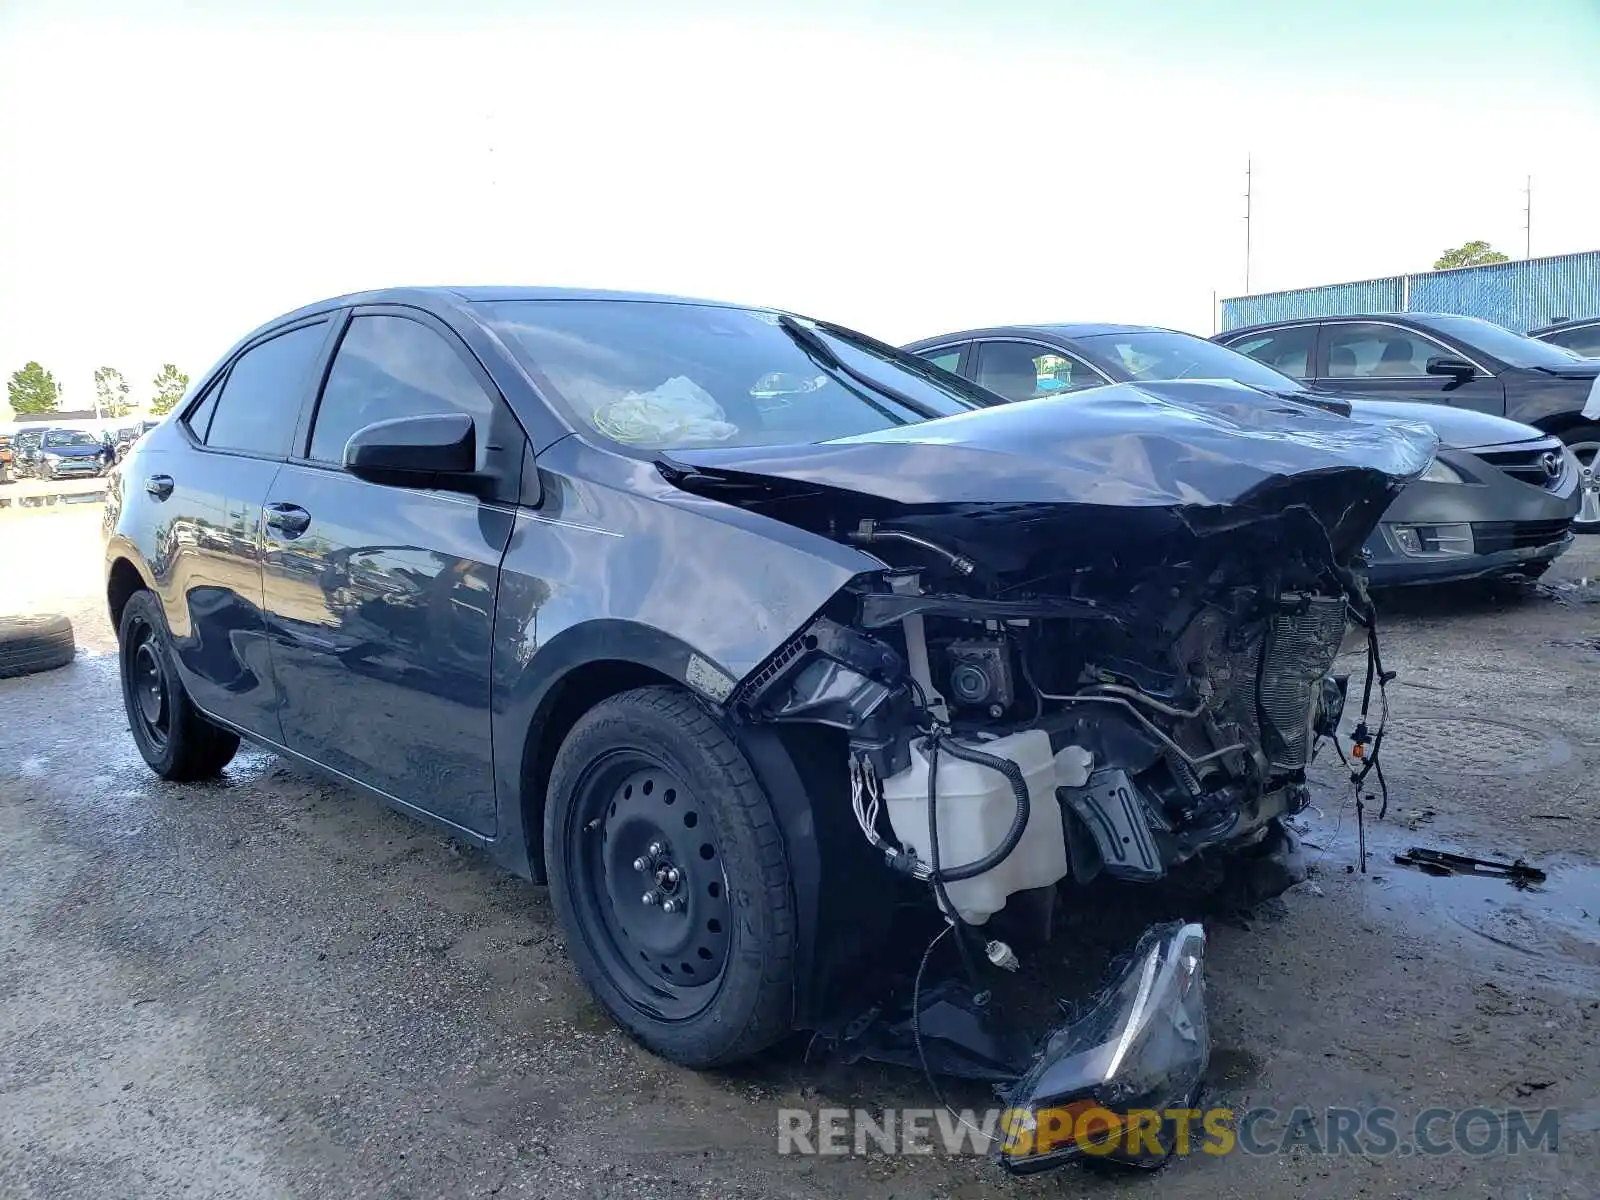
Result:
[
  {"x": 175, "y": 740},
  {"x": 649, "y": 889},
  {"x": 670, "y": 876}
]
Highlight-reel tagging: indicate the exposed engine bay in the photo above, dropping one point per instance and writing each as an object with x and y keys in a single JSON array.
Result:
[{"x": 1069, "y": 719}]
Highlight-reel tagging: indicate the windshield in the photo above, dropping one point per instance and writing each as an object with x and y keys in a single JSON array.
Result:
[
  {"x": 69, "y": 437},
  {"x": 1157, "y": 354},
  {"x": 659, "y": 374},
  {"x": 1510, "y": 348}
]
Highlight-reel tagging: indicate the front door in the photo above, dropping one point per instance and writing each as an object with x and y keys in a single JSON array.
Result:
[
  {"x": 1389, "y": 362},
  {"x": 380, "y": 599}
]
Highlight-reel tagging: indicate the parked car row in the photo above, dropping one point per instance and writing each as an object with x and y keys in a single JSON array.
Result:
[
  {"x": 1500, "y": 497},
  {"x": 48, "y": 453}
]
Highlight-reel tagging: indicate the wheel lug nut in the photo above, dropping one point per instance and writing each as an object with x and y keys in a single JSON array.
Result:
[
  {"x": 641, "y": 863},
  {"x": 670, "y": 906},
  {"x": 649, "y": 897},
  {"x": 656, "y": 850},
  {"x": 672, "y": 875}
]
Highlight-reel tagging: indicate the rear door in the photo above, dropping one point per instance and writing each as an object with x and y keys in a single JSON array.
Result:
[
  {"x": 1388, "y": 362},
  {"x": 381, "y": 598},
  {"x": 207, "y": 496}
]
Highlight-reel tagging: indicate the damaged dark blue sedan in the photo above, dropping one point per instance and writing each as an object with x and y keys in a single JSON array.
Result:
[{"x": 740, "y": 630}]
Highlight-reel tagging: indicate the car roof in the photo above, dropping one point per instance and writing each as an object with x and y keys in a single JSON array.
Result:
[
  {"x": 1420, "y": 319},
  {"x": 451, "y": 297},
  {"x": 1065, "y": 330},
  {"x": 1558, "y": 326}
]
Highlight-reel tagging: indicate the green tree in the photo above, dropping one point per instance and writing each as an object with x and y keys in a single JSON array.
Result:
[
  {"x": 33, "y": 390},
  {"x": 111, "y": 390},
  {"x": 170, "y": 384},
  {"x": 1476, "y": 253}
]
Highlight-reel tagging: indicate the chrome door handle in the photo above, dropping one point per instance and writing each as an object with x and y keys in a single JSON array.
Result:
[{"x": 288, "y": 519}]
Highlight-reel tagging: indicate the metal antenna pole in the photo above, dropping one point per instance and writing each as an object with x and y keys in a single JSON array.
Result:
[
  {"x": 1527, "y": 219},
  {"x": 1248, "y": 189}
]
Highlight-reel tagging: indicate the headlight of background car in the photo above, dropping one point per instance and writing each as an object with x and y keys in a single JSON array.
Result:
[
  {"x": 1441, "y": 472},
  {"x": 1141, "y": 1048}
]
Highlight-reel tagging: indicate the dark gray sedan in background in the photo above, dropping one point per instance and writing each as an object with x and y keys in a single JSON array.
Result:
[
  {"x": 1439, "y": 358},
  {"x": 1499, "y": 499}
]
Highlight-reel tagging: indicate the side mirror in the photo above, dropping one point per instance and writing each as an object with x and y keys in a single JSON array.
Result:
[
  {"x": 439, "y": 451},
  {"x": 1448, "y": 364}
]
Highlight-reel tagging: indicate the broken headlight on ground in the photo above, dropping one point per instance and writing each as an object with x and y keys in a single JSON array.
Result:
[{"x": 1115, "y": 1082}]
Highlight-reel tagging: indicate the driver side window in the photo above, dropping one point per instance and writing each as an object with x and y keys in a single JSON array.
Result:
[{"x": 393, "y": 367}]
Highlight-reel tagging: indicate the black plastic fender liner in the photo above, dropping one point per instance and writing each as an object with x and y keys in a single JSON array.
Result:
[{"x": 843, "y": 896}]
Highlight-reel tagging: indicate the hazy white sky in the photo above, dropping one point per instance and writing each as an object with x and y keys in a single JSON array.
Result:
[{"x": 169, "y": 180}]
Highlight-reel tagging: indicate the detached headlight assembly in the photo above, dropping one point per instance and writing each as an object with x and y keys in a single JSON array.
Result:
[
  {"x": 1440, "y": 471},
  {"x": 1104, "y": 1083}
]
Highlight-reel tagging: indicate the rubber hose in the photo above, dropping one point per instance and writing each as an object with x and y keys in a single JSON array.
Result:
[{"x": 1019, "y": 822}]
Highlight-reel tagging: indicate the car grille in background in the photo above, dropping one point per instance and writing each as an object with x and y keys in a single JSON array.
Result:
[
  {"x": 1301, "y": 647},
  {"x": 1528, "y": 464},
  {"x": 1490, "y": 536}
]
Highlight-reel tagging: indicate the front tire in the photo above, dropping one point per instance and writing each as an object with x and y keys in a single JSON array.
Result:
[
  {"x": 173, "y": 738},
  {"x": 1584, "y": 442},
  {"x": 671, "y": 879}
]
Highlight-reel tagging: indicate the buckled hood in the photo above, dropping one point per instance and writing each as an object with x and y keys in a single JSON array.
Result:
[{"x": 1184, "y": 445}]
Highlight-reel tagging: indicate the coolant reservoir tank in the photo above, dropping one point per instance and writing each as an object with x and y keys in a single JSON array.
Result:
[{"x": 976, "y": 807}]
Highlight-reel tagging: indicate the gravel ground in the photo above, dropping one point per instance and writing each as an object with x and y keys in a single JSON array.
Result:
[{"x": 268, "y": 986}]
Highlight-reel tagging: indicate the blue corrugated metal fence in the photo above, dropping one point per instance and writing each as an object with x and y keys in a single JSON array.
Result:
[{"x": 1519, "y": 295}]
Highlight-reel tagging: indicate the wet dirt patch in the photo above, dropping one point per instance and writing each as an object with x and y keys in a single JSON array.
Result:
[
  {"x": 1448, "y": 743},
  {"x": 1548, "y": 931}
]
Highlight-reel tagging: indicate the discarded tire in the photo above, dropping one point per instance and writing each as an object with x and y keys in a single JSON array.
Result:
[{"x": 34, "y": 643}]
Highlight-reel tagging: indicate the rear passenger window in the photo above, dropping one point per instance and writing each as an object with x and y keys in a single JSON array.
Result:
[
  {"x": 394, "y": 367},
  {"x": 260, "y": 401}
]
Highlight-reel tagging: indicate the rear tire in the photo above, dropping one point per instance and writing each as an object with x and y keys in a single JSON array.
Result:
[
  {"x": 173, "y": 738},
  {"x": 1584, "y": 442},
  {"x": 34, "y": 643},
  {"x": 710, "y": 981}
]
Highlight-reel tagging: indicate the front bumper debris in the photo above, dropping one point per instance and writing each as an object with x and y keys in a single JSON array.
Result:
[
  {"x": 1115, "y": 1082},
  {"x": 1111, "y": 1082}
]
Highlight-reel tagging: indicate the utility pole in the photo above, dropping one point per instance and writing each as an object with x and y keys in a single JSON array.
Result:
[
  {"x": 1248, "y": 189},
  {"x": 1527, "y": 219}
]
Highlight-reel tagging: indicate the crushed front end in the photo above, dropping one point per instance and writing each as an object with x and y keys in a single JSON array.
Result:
[{"x": 1101, "y": 644}]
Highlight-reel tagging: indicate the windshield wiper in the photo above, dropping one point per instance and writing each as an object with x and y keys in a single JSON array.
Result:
[{"x": 823, "y": 355}]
